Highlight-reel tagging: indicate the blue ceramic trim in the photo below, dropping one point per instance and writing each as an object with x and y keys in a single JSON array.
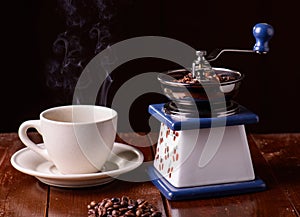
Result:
[
  {"x": 243, "y": 117},
  {"x": 219, "y": 190}
]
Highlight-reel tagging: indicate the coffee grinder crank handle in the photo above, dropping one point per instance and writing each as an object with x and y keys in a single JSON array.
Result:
[{"x": 262, "y": 32}]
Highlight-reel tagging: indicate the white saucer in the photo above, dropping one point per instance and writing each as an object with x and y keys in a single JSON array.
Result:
[{"x": 124, "y": 158}]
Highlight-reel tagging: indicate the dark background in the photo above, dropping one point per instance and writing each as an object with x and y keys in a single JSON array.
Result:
[{"x": 270, "y": 88}]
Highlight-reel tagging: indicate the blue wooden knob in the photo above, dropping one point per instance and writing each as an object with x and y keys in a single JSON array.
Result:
[{"x": 262, "y": 32}]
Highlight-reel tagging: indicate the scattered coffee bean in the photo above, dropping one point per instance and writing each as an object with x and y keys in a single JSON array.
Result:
[{"x": 122, "y": 207}]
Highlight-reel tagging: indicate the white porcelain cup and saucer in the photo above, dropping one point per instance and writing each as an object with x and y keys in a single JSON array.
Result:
[{"x": 78, "y": 148}]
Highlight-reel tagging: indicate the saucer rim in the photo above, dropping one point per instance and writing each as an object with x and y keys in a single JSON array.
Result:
[{"x": 87, "y": 176}]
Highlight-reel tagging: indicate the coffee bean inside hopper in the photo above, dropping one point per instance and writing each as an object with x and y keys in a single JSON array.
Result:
[{"x": 189, "y": 79}]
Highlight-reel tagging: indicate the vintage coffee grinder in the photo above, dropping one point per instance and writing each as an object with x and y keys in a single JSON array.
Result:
[{"x": 202, "y": 149}]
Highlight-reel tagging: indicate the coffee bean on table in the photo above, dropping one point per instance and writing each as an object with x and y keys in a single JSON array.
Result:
[{"x": 122, "y": 207}]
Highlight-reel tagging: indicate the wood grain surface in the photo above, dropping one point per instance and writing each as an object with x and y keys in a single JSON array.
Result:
[{"x": 276, "y": 159}]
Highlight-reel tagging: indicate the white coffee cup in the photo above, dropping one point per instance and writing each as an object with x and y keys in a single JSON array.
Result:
[{"x": 78, "y": 139}]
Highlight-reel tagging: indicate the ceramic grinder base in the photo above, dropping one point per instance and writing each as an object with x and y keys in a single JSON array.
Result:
[{"x": 208, "y": 191}]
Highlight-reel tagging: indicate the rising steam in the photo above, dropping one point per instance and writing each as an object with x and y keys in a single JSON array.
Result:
[{"x": 87, "y": 33}]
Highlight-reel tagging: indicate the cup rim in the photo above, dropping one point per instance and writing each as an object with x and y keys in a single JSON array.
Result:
[{"x": 114, "y": 115}]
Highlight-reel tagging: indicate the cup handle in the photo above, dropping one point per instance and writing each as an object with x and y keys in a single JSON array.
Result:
[{"x": 36, "y": 124}]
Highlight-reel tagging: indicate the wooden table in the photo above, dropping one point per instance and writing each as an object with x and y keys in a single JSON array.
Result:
[{"x": 276, "y": 159}]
